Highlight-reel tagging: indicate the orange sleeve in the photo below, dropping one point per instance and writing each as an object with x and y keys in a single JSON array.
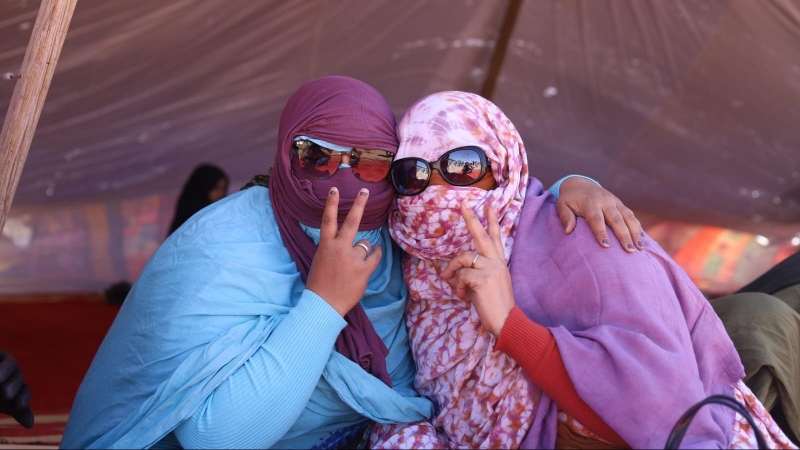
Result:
[{"x": 534, "y": 348}]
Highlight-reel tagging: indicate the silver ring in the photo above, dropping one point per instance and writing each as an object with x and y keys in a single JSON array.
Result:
[
  {"x": 474, "y": 260},
  {"x": 365, "y": 247}
]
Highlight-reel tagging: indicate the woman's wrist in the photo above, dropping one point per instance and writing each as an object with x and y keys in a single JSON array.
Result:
[{"x": 500, "y": 320}]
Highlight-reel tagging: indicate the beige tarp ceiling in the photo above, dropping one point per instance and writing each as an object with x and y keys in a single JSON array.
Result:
[{"x": 688, "y": 110}]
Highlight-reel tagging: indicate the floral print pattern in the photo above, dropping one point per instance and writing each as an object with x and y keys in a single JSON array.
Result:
[
  {"x": 404, "y": 435},
  {"x": 429, "y": 226},
  {"x": 743, "y": 434},
  {"x": 482, "y": 396}
]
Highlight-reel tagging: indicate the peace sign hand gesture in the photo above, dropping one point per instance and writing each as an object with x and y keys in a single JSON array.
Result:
[
  {"x": 340, "y": 270},
  {"x": 483, "y": 277}
]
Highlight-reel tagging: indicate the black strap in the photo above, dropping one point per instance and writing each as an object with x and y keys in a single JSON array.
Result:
[{"x": 680, "y": 428}]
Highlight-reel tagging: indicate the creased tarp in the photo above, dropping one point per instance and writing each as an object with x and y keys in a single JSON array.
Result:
[
  {"x": 686, "y": 109},
  {"x": 144, "y": 90}
]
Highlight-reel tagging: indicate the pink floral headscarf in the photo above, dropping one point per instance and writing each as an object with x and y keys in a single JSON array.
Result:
[
  {"x": 431, "y": 127},
  {"x": 483, "y": 397}
]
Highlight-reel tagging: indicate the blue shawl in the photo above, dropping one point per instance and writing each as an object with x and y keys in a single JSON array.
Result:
[{"x": 207, "y": 300}]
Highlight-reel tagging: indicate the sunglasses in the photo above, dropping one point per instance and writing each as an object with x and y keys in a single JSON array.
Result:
[
  {"x": 461, "y": 166},
  {"x": 320, "y": 163}
]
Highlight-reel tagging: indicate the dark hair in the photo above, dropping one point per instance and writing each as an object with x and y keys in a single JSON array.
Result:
[{"x": 194, "y": 195}]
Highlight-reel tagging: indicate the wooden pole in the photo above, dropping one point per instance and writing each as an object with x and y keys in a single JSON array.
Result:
[
  {"x": 26, "y": 104},
  {"x": 499, "y": 54}
]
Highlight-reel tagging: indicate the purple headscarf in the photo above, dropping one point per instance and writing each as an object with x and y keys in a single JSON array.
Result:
[
  {"x": 639, "y": 340},
  {"x": 350, "y": 113}
]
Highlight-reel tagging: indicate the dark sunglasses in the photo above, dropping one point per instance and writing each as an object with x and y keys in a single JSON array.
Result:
[
  {"x": 319, "y": 162},
  {"x": 461, "y": 166}
]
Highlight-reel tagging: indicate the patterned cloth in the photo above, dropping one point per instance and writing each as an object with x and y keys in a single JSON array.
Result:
[
  {"x": 483, "y": 398},
  {"x": 743, "y": 434}
]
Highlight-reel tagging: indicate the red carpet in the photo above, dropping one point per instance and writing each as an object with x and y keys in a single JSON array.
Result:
[{"x": 54, "y": 343}]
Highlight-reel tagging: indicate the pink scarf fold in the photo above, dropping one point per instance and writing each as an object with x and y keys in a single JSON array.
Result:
[{"x": 483, "y": 397}]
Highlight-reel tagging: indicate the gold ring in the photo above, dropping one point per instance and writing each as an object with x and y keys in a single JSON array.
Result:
[{"x": 477, "y": 255}]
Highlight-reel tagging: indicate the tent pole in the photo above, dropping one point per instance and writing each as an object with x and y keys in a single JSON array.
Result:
[
  {"x": 30, "y": 91},
  {"x": 499, "y": 54}
]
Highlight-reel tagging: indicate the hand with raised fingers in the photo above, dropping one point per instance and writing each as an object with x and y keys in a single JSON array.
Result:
[
  {"x": 340, "y": 270},
  {"x": 581, "y": 197},
  {"x": 483, "y": 276},
  {"x": 15, "y": 395}
]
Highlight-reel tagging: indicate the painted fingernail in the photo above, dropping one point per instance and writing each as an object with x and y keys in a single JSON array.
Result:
[
  {"x": 363, "y": 193},
  {"x": 631, "y": 247},
  {"x": 333, "y": 191},
  {"x": 606, "y": 243},
  {"x": 640, "y": 244}
]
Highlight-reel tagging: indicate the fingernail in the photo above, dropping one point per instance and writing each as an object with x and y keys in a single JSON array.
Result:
[
  {"x": 606, "y": 243},
  {"x": 333, "y": 191},
  {"x": 631, "y": 247},
  {"x": 640, "y": 244},
  {"x": 363, "y": 193}
]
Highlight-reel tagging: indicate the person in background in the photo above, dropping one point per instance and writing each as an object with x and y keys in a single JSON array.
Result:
[
  {"x": 15, "y": 395},
  {"x": 763, "y": 321},
  {"x": 206, "y": 185}
]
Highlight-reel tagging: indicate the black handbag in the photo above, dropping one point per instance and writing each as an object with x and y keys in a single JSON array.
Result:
[{"x": 680, "y": 428}]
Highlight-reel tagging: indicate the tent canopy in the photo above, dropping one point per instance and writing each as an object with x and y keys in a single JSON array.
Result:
[{"x": 687, "y": 110}]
